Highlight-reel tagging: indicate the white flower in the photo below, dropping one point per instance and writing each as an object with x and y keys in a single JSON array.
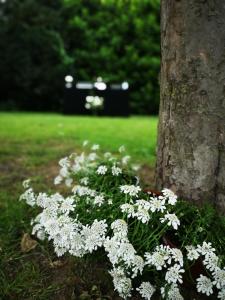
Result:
[
  {"x": 95, "y": 147},
  {"x": 110, "y": 201},
  {"x": 64, "y": 172},
  {"x": 171, "y": 220},
  {"x": 94, "y": 235},
  {"x": 158, "y": 258},
  {"x": 172, "y": 294},
  {"x": 137, "y": 265},
  {"x": 177, "y": 256},
  {"x": 211, "y": 261},
  {"x": 64, "y": 162},
  {"x": 84, "y": 180},
  {"x": 192, "y": 253},
  {"x": 146, "y": 289},
  {"x": 125, "y": 159},
  {"x": 142, "y": 215},
  {"x": 121, "y": 283},
  {"x": 135, "y": 167},
  {"x": 85, "y": 143},
  {"x": 83, "y": 191},
  {"x": 107, "y": 155},
  {"x": 116, "y": 171},
  {"x": 119, "y": 228},
  {"x": 221, "y": 294},
  {"x": 101, "y": 170},
  {"x": 67, "y": 205},
  {"x": 68, "y": 182},
  {"x": 26, "y": 183},
  {"x": 172, "y": 198},
  {"x": 204, "y": 285},
  {"x": 157, "y": 204},
  {"x": 143, "y": 204},
  {"x": 92, "y": 156},
  {"x": 122, "y": 149},
  {"x": 219, "y": 278},
  {"x": 128, "y": 209},
  {"x": 29, "y": 197},
  {"x": 42, "y": 200},
  {"x": 205, "y": 249},
  {"x": 173, "y": 274},
  {"x": 99, "y": 200},
  {"x": 131, "y": 190},
  {"x": 58, "y": 179}
]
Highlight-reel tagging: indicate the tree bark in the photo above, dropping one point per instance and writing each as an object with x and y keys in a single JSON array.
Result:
[{"x": 191, "y": 141}]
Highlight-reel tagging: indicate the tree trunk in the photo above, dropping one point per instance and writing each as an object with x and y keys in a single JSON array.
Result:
[{"x": 191, "y": 142}]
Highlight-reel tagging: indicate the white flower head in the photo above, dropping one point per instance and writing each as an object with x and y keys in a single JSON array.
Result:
[
  {"x": 67, "y": 205},
  {"x": 221, "y": 294},
  {"x": 92, "y": 156},
  {"x": 126, "y": 159},
  {"x": 128, "y": 209},
  {"x": 146, "y": 289},
  {"x": 192, "y": 253},
  {"x": 177, "y": 256},
  {"x": 121, "y": 283},
  {"x": 159, "y": 257},
  {"x": 84, "y": 180},
  {"x": 58, "y": 179},
  {"x": 171, "y": 219},
  {"x": 119, "y": 228},
  {"x": 85, "y": 143},
  {"x": 116, "y": 171},
  {"x": 95, "y": 147},
  {"x": 173, "y": 293},
  {"x": 110, "y": 201},
  {"x": 206, "y": 248},
  {"x": 142, "y": 215},
  {"x": 122, "y": 149},
  {"x": 68, "y": 182},
  {"x": 211, "y": 261},
  {"x": 99, "y": 200},
  {"x": 101, "y": 170},
  {"x": 157, "y": 204},
  {"x": 173, "y": 274},
  {"x": 131, "y": 190},
  {"x": 107, "y": 155},
  {"x": 172, "y": 198},
  {"x": 219, "y": 278},
  {"x": 204, "y": 285},
  {"x": 26, "y": 183}
]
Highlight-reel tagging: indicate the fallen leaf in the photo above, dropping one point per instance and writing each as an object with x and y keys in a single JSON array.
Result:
[
  {"x": 27, "y": 243},
  {"x": 57, "y": 264}
]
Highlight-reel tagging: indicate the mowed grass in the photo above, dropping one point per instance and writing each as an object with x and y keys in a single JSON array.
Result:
[{"x": 30, "y": 146}]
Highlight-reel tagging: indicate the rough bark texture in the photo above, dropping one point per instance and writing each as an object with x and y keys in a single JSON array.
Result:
[{"x": 191, "y": 143}]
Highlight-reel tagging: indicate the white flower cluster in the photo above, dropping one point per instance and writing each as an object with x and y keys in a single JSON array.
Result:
[
  {"x": 67, "y": 234},
  {"x": 84, "y": 222},
  {"x": 212, "y": 264},
  {"x": 88, "y": 195},
  {"x": 73, "y": 165},
  {"x": 142, "y": 209}
]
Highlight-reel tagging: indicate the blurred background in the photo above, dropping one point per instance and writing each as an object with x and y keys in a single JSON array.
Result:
[{"x": 43, "y": 41}]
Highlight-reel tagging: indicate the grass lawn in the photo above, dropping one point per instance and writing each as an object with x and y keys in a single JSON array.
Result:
[{"x": 31, "y": 145}]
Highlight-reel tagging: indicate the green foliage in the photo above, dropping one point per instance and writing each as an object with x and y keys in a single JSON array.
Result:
[
  {"x": 33, "y": 58},
  {"x": 118, "y": 40}
]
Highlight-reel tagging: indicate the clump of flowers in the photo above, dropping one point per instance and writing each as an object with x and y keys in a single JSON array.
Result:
[{"x": 106, "y": 208}]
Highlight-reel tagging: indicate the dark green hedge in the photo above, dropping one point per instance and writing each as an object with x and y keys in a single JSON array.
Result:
[{"x": 41, "y": 41}]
